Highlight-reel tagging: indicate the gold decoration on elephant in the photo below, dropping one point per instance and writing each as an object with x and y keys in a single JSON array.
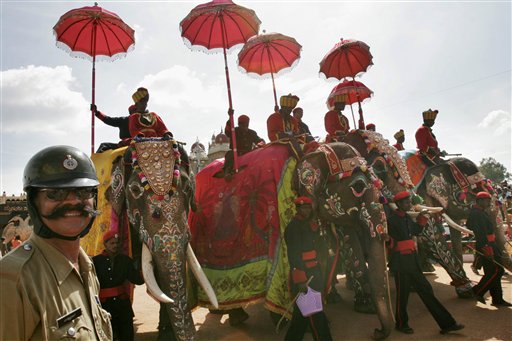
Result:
[
  {"x": 378, "y": 141},
  {"x": 157, "y": 164}
]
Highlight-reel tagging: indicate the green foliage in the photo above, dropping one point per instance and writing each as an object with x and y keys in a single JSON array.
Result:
[{"x": 494, "y": 170}]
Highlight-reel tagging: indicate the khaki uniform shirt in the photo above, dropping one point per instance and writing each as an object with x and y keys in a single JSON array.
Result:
[{"x": 43, "y": 297}]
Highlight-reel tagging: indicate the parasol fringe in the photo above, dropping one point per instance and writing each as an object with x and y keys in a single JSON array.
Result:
[
  {"x": 99, "y": 58},
  {"x": 267, "y": 75},
  {"x": 205, "y": 50}
]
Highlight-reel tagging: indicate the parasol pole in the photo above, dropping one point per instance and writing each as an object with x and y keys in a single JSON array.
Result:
[
  {"x": 353, "y": 118},
  {"x": 361, "y": 119},
  {"x": 274, "y": 87},
  {"x": 93, "y": 97},
  {"x": 272, "y": 68},
  {"x": 231, "y": 119}
]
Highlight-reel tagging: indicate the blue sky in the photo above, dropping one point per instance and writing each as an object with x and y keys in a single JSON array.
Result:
[{"x": 450, "y": 56}]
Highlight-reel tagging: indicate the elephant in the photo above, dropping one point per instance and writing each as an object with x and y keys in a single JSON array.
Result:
[
  {"x": 453, "y": 185},
  {"x": 346, "y": 192},
  {"x": 392, "y": 171},
  {"x": 238, "y": 228},
  {"x": 150, "y": 185}
]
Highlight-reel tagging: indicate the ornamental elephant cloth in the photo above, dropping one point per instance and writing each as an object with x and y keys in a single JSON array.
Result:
[
  {"x": 237, "y": 229},
  {"x": 92, "y": 243}
]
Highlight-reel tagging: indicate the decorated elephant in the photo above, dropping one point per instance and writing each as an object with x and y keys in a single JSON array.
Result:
[
  {"x": 453, "y": 185},
  {"x": 150, "y": 188},
  {"x": 346, "y": 191},
  {"x": 238, "y": 227},
  {"x": 392, "y": 171}
]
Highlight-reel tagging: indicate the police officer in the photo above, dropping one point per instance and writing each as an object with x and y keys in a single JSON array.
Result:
[
  {"x": 301, "y": 237},
  {"x": 480, "y": 223},
  {"x": 426, "y": 140},
  {"x": 115, "y": 270},
  {"x": 49, "y": 289},
  {"x": 336, "y": 124},
  {"x": 404, "y": 263}
]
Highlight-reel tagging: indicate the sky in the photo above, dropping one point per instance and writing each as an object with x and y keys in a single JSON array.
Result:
[{"x": 451, "y": 56}]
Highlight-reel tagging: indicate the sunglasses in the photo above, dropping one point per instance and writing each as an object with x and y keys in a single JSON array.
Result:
[{"x": 60, "y": 194}]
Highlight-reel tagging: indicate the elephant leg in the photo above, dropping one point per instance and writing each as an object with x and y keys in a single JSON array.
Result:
[
  {"x": 237, "y": 316},
  {"x": 456, "y": 238},
  {"x": 434, "y": 242},
  {"x": 356, "y": 270},
  {"x": 165, "y": 331}
]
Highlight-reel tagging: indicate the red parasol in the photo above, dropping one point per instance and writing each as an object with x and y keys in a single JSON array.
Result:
[
  {"x": 220, "y": 24},
  {"x": 269, "y": 53},
  {"x": 348, "y": 58},
  {"x": 95, "y": 34},
  {"x": 356, "y": 92}
]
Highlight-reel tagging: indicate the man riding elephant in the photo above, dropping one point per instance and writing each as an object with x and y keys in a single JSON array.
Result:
[{"x": 426, "y": 140}]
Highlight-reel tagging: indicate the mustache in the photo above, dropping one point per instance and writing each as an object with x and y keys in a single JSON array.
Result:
[{"x": 60, "y": 211}]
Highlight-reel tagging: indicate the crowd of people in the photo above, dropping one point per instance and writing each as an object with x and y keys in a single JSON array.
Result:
[{"x": 51, "y": 289}]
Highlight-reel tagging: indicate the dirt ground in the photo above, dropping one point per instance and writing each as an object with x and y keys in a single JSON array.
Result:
[{"x": 483, "y": 322}]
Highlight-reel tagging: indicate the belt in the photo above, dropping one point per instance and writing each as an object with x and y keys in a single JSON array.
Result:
[
  {"x": 112, "y": 292},
  {"x": 405, "y": 247},
  {"x": 309, "y": 259}
]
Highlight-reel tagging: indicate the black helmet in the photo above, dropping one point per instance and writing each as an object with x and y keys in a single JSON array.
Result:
[{"x": 57, "y": 167}]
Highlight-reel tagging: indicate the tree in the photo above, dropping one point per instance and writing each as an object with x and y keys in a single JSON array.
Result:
[{"x": 494, "y": 170}]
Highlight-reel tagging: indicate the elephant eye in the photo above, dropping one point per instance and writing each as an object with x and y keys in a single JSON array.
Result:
[
  {"x": 359, "y": 186},
  {"x": 379, "y": 167},
  {"x": 136, "y": 189}
]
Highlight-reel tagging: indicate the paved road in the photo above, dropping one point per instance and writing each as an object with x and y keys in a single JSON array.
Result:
[{"x": 483, "y": 322}]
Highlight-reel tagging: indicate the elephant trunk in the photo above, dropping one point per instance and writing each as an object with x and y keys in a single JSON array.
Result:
[{"x": 377, "y": 264}]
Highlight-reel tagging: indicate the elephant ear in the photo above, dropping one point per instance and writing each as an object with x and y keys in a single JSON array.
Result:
[
  {"x": 116, "y": 191},
  {"x": 309, "y": 176}
]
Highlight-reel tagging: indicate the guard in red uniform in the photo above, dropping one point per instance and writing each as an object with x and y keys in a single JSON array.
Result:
[
  {"x": 480, "y": 223},
  {"x": 301, "y": 236},
  {"x": 400, "y": 138},
  {"x": 281, "y": 124},
  {"x": 404, "y": 263},
  {"x": 143, "y": 123},
  {"x": 370, "y": 127},
  {"x": 426, "y": 140},
  {"x": 114, "y": 271},
  {"x": 336, "y": 124}
]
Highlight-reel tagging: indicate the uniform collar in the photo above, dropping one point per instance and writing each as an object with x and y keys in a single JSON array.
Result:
[{"x": 59, "y": 264}]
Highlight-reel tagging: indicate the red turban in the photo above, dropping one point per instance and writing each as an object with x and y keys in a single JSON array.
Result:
[
  {"x": 243, "y": 119},
  {"x": 303, "y": 201},
  {"x": 401, "y": 195},
  {"x": 483, "y": 195},
  {"x": 109, "y": 235}
]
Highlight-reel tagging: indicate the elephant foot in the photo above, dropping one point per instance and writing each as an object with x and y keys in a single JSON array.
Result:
[
  {"x": 237, "y": 316},
  {"x": 333, "y": 297},
  {"x": 428, "y": 267},
  {"x": 275, "y": 317},
  {"x": 165, "y": 334},
  {"x": 364, "y": 305},
  {"x": 380, "y": 334},
  {"x": 465, "y": 291}
]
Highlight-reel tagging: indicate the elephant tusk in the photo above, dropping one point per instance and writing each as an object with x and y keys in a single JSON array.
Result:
[
  {"x": 457, "y": 226},
  {"x": 431, "y": 210},
  {"x": 201, "y": 277},
  {"x": 149, "y": 277}
]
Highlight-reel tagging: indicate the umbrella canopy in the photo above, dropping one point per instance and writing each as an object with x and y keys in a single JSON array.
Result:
[
  {"x": 269, "y": 53},
  {"x": 347, "y": 58},
  {"x": 91, "y": 32},
  {"x": 220, "y": 24},
  {"x": 356, "y": 92}
]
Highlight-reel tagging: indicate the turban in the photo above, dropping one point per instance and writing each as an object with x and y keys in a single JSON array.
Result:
[
  {"x": 139, "y": 94},
  {"x": 303, "y": 201},
  {"x": 399, "y": 134},
  {"x": 483, "y": 195},
  {"x": 289, "y": 101},
  {"x": 109, "y": 235},
  {"x": 401, "y": 195},
  {"x": 430, "y": 114},
  {"x": 370, "y": 126},
  {"x": 243, "y": 119}
]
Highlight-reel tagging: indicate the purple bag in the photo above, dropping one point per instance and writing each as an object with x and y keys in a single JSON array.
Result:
[{"x": 310, "y": 303}]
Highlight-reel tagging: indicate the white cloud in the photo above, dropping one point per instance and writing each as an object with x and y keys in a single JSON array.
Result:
[
  {"x": 40, "y": 99},
  {"x": 497, "y": 120}
]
